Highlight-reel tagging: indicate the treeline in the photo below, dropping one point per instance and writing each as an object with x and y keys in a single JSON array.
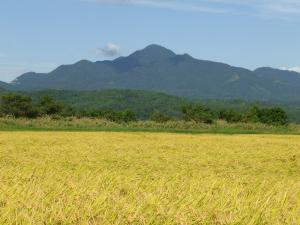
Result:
[
  {"x": 17, "y": 105},
  {"x": 271, "y": 116},
  {"x": 21, "y": 106}
]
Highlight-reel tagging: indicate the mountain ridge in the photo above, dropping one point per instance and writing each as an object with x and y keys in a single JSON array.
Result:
[{"x": 156, "y": 68}]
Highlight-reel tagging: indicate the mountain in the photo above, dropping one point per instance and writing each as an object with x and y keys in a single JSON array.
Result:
[
  {"x": 156, "y": 68},
  {"x": 279, "y": 77},
  {"x": 4, "y": 86}
]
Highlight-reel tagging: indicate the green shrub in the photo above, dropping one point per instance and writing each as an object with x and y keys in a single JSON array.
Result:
[
  {"x": 272, "y": 116},
  {"x": 160, "y": 117},
  {"x": 49, "y": 106},
  {"x": 108, "y": 114},
  {"x": 125, "y": 116},
  {"x": 197, "y": 113},
  {"x": 230, "y": 116}
]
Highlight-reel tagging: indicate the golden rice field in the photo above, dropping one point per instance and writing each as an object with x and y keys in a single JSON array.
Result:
[{"x": 147, "y": 178}]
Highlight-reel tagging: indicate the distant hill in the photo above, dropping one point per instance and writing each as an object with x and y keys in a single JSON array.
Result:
[
  {"x": 144, "y": 103},
  {"x": 4, "y": 86},
  {"x": 156, "y": 68}
]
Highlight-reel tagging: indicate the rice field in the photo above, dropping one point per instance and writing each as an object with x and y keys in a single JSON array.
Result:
[{"x": 148, "y": 178}]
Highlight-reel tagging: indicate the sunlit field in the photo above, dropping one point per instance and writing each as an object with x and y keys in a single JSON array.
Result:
[{"x": 148, "y": 178}]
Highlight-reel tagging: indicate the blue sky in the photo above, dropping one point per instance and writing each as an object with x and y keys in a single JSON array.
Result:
[{"x": 39, "y": 35}]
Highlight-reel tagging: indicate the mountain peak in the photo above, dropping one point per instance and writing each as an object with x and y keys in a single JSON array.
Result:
[
  {"x": 152, "y": 53},
  {"x": 156, "y": 47},
  {"x": 83, "y": 62}
]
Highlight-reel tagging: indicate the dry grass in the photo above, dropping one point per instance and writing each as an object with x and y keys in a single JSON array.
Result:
[{"x": 139, "y": 178}]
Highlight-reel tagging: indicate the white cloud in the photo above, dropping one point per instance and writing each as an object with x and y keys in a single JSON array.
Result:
[
  {"x": 111, "y": 50},
  {"x": 294, "y": 69}
]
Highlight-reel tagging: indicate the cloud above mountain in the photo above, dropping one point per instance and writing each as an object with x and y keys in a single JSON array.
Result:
[
  {"x": 110, "y": 50},
  {"x": 294, "y": 69}
]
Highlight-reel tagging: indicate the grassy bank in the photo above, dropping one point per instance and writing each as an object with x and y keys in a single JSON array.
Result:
[{"x": 88, "y": 124}]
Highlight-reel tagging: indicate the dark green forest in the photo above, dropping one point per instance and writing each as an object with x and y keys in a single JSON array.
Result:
[
  {"x": 145, "y": 103},
  {"x": 128, "y": 105}
]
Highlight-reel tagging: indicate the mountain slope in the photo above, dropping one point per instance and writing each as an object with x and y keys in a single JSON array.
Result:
[
  {"x": 156, "y": 68},
  {"x": 283, "y": 84},
  {"x": 4, "y": 86},
  {"x": 279, "y": 77}
]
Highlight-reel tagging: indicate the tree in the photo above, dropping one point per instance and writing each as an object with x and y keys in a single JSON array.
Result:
[
  {"x": 126, "y": 116},
  {"x": 272, "y": 116},
  {"x": 160, "y": 117},
  {"x": 197, "y": 113},
  {"x": 230, "y": 116},
  {"x": 48, "y": 106},
  {"x": 253, "y": 115},
  {"x": 17, "y": 105},
  {"x": 111, "y": 115}
]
